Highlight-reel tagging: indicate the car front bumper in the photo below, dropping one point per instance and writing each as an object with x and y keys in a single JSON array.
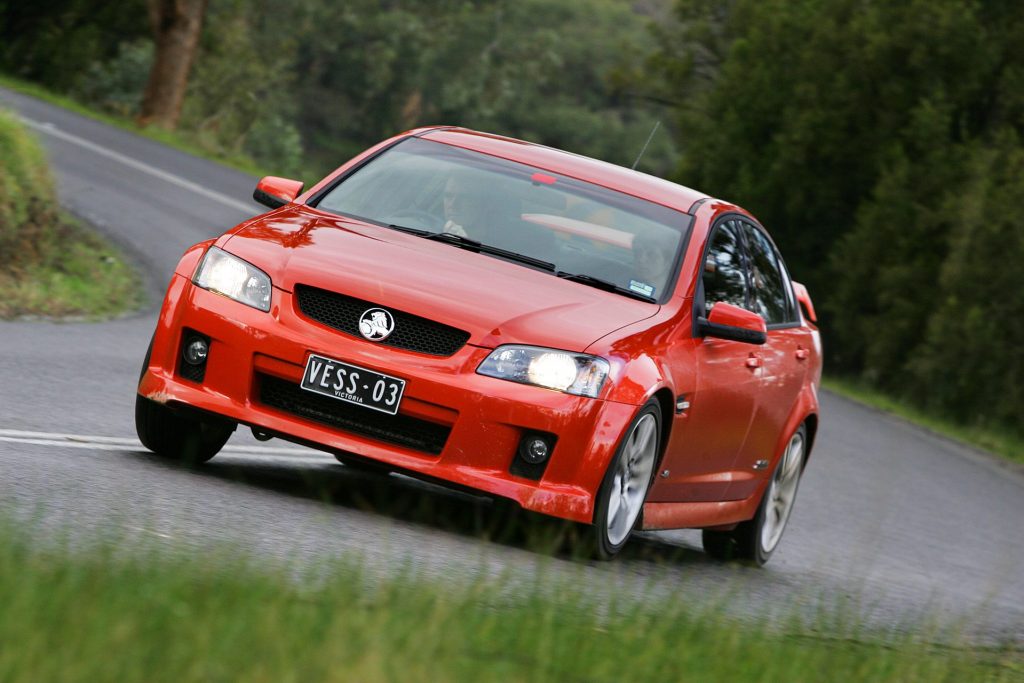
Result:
[{"x": 487, "y": 417}]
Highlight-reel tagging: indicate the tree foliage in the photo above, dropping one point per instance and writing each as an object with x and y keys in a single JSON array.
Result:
[
  {"x": 53, "y": 42},
  {"x": 876, "y": 141}
]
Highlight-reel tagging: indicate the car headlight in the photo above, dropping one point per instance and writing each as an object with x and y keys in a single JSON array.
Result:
[
  {"x": 573, "y": 373},
  {"x": 229, "y": 275}
]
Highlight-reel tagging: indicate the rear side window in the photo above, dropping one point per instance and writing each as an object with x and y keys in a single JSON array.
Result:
[
  {"x": 724, "y": 279},
  {"x": 770, "y": 294}
]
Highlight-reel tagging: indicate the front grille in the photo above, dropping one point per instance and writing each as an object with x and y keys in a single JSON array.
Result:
[
  {"x": 410, "y": 432},
  {"x": 412, "y": 332}
]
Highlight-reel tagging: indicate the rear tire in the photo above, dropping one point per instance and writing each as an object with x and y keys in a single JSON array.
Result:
[
  {"x": 177, "y": 437},
  {"x": 755, "y": 540}
]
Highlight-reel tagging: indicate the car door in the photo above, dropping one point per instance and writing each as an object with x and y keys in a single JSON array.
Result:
[
  {"x": 782, "y": 358},
  {"x": 707, "y": 436}
]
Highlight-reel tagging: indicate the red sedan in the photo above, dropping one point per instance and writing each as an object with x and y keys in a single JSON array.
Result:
[{"x": 591, "y": 342}]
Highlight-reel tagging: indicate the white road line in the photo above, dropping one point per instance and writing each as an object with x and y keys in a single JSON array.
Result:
[
  {"x": 147, "y": 531},
  {"x": 51, "y": 129},
  {"x": 283, "y": 455},
  {"x": 67, "y": 444},
  {"x": 117, "y": 443}
]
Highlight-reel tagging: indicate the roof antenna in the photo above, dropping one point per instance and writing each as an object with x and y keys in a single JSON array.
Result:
[{"x": 649, "y": 137}]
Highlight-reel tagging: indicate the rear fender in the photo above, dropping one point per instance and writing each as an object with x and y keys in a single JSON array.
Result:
[{"x": 806, "y": 407}]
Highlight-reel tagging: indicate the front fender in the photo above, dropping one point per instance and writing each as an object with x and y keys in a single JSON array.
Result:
[{"x": 189, "y": 261}]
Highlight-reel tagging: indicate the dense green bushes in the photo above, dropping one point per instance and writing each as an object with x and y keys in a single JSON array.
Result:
[
  {"x": 880, "y": 142},
  {"x": 302, "y": 86}
]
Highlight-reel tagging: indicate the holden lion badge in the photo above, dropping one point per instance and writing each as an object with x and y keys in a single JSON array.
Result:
[{"x": 376, "y": 324}]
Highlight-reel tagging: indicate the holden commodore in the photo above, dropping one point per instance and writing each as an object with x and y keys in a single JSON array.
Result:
[{"x": 591, "y": 342}]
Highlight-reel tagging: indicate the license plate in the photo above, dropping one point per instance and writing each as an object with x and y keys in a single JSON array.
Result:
[{"x": 353, "y": 384}]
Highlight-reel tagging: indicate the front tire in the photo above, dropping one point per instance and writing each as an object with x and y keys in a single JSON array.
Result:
[
  {"x": 755, "y": 540},
  {"x": 177, "y": 437},
  {"x": 620, "y": 500}
]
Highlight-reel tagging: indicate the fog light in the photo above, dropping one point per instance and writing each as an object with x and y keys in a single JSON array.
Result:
[
  {"x": 536, "y": 451},
  {"x": 196, "y": 351},
  {"x": 533, "y": 454}
]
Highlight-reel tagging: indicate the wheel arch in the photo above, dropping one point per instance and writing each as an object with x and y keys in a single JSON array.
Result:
[
  {"x": 811, "y": 420},
  {"x": 664, "y": 397}
]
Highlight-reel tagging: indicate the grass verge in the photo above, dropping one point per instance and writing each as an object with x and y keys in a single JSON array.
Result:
[
  {"x": 87, "y": 278},
  {"x": 103, "y": 614},
  {"x": 49, "y": 264},
  {"x": 997, "y": 441}
]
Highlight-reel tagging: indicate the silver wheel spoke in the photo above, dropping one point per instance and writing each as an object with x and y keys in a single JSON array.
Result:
[
  {"x": 615, "y": 502},
  {"x": 781, "y": 493},
  {"x": 632, "y": 475}
]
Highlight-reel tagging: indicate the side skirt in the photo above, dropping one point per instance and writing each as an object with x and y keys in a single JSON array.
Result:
[{"x": 700, "y": 515}]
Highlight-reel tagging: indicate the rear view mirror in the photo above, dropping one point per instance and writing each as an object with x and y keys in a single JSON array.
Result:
[
  {"x": 727, "y": 321},
  {"x": 274, "y": 192}
]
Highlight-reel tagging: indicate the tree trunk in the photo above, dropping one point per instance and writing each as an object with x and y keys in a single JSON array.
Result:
[{"x": 176, "y": 28}]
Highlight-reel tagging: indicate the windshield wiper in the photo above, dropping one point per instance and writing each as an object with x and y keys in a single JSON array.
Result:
[
  {"x": 481, "y": 248},
  {"x": 411, "y": 231},
  {"x": 607, "y": 286}
]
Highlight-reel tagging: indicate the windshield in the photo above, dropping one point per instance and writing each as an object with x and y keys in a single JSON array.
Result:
[{"x": 582, "y": 229}]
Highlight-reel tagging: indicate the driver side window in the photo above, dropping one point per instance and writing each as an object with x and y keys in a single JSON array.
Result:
[{"x": 724, "y": 277}]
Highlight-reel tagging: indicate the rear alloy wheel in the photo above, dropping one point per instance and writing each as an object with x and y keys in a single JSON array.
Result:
[
  {"x": 177, "y": 437},
  {"x": 620, "y": 500},
  {"x": 756, "y": 540}
]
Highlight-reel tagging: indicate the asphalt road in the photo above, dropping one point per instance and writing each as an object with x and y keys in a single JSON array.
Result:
[{"x": 895, "y": 525}]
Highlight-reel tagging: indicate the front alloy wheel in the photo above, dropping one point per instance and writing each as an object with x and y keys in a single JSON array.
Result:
[{"x": 621, "y": 497}]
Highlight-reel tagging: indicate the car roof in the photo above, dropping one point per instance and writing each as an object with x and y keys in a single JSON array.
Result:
[{"x": 583, "y": 168}]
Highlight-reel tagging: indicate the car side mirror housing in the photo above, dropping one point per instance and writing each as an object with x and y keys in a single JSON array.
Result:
[
  {"x": 727, "y": 321},
  {"x": 803, "y": 297},
  {"x": 274, "y": 192}
]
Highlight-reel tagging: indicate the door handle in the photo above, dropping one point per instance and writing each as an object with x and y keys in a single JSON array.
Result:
[
  {"x": 802, "y": 354},
  {"x": 753, "y": 361}
]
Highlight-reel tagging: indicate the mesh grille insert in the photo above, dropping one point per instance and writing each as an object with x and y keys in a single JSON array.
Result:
[
  {"x": 402, "y": 430},
  {"x": 412, "y": 332}
]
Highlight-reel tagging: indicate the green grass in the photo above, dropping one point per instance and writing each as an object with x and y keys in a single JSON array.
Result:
[
  {"x": 191, "y": 144},
  {"x": 129, "y": 611},
  {"x": 1000, "y": 442},
  {"x": 49, "y": 264},
  {"x": 86, "y": 277}
]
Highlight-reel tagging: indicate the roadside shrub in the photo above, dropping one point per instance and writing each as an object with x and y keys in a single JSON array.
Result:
[
  {"x": 27, "y": 198},
  {"x": 274, "y": 142},
  {"x": 116, "y": 85}
]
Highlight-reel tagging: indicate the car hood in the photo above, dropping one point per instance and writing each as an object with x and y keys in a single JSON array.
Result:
[{"x": 496, "y": 301}]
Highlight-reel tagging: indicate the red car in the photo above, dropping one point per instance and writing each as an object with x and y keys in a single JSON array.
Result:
[{"x": 591, "y": 342}]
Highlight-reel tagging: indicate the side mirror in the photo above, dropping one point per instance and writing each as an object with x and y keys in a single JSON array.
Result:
[
  {"x": 274, "y": 192},
  {"x": 803, "y": 297},
  {"x": 727, "y": 321}
]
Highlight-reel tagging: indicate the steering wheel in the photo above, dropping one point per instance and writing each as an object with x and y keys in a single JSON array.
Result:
[{"x": 423, "y": 219}]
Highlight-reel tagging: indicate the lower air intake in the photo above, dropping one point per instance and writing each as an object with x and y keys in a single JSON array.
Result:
[{"x": 401, "y": 430}]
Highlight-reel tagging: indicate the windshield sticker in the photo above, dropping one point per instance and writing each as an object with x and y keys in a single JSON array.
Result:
[{"x": 641, "y": 288}]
